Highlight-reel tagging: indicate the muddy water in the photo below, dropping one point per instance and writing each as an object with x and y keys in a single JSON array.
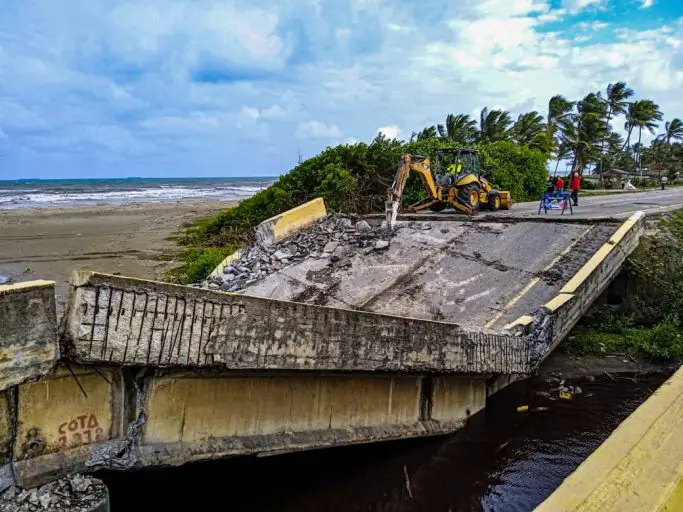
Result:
[{"x": 503, "y": 460}]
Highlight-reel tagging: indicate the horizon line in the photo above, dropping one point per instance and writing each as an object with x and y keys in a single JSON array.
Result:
[{"x": 13, "y": 180}]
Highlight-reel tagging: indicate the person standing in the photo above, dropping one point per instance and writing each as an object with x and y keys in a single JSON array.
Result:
[
  {"x": 664, "y": 180},
  {"x": 559, "y": 185},
  {"x": 575, "y": 185}
]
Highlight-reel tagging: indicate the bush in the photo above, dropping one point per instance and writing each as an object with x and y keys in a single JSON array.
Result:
[
  {"x": 661, "y": 342},
  {"x": 516, "y": 168},
  {"x": 199, "y": 263}
]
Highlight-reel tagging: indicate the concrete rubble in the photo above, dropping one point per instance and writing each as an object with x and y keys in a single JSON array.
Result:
[
  {"x": 336, "y": 237},
  {"x": 76, "y": 493}
]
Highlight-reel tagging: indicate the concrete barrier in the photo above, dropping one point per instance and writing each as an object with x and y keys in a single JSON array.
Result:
[
  {"x": 118, "y": 320},
  {"x": 282, "y": 225},
  {"x": 28, "y": 331},
  {"x": 638, "y": 468},
  {"x": 577, "y": 295}
]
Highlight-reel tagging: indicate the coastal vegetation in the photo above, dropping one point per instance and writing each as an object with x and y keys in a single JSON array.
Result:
[
  {"x": 514, "y": 153},
  {"x": 648, "y": 321}
]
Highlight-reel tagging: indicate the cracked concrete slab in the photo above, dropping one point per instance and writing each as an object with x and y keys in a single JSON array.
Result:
[{"x": 477, "y": 275}]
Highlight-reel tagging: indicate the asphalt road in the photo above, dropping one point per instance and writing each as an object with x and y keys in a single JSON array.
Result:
[{"x": 617, "y": 205}]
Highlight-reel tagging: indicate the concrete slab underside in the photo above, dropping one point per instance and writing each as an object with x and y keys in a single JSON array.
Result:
[{"x": 476, "y": 275}]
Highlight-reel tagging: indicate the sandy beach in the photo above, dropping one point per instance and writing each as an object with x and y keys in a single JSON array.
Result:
[{"x": 48, "y": 243}]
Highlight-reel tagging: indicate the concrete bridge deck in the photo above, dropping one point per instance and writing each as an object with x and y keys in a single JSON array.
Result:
[
  {"x": 479, "y": 275},
  {"x": 371, "y": 348}
]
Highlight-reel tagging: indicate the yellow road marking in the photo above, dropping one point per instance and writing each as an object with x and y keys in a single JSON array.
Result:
[{"x": 535, "y": 280}]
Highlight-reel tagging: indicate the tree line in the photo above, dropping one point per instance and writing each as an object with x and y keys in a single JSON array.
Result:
[{"x": 579, "y": 132}]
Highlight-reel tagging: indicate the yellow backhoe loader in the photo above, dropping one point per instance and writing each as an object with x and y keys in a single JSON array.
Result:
[{"x": 455, "y": 181}]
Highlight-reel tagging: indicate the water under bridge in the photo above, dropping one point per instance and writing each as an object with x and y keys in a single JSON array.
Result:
[{"x": 404, "y": 342}]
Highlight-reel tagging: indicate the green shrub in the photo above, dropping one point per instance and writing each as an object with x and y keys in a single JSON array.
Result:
[
  {"x": 662, "y": 342},
  {"x": 516, "y": 168},
  {"x": 199, "y": 263}
]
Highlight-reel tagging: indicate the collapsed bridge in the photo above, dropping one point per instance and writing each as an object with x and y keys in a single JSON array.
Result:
[{"x": 366, "y": 335}]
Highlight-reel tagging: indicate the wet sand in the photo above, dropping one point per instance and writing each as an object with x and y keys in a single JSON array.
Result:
[{"x": 48, "y": 243}]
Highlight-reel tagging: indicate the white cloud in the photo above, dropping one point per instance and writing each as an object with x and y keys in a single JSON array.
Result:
[
  {"x": 273, "y": 112},
  {"x": 390, "y": 132},
  {"x": 195, "y": 85},
  {"x": 552, "y": 16},
  {"x": 576, "y": 6},
  {"x": 318, "y": 130},
  {"x": 646, "y": 4}
]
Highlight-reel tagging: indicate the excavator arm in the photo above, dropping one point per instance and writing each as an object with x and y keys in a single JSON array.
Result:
[
  {"x": 417, "y": 164},
  {"x": 421, "y": 166}
]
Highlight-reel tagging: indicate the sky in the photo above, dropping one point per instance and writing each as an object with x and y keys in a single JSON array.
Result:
[{"x": 113, "y": 88}]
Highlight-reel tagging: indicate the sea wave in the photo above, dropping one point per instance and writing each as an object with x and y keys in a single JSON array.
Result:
[{"x": 34, "y": 197}]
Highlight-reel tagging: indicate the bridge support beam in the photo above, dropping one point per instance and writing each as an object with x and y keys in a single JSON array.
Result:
[{"x": 114, "y": 418}]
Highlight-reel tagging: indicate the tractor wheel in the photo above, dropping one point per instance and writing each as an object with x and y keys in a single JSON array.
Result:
[
  {"x": 469, "y": 195},
  {"x": 438, "y": 207},
  {"x": 494, "y": 202}
]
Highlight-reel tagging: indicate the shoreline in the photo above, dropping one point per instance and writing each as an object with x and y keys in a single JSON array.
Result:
[{"x": 131, "y": 239}]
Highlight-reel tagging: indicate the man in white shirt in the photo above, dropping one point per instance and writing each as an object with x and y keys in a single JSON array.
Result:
[{"x": 664, "y": 180}]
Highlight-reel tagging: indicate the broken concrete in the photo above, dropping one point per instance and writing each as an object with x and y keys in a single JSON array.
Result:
[
  {"x": 330, "y": 239},
  {"x": 76, "y": 493},
  {"x": 28, "y": 331}
]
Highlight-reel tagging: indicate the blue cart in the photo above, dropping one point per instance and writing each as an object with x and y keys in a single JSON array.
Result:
[{"x": 554, "y": 201}]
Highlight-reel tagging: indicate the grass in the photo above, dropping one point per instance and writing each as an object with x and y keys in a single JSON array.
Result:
[
  {"x": 199, "y": 262},
  {"x": 661, "y": 342}
]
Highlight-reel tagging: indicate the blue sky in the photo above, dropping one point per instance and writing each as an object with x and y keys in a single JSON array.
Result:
[{"x": 206, "y": 88}]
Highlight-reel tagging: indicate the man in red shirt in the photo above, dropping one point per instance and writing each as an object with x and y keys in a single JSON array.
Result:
[{"x": 575, "y": 185}]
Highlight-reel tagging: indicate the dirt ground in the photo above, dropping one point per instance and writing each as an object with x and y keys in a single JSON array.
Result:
[{"x": 48, "y": 243}]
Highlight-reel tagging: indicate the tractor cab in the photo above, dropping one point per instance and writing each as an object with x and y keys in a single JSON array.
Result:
[{"x": 451, "y": 164}]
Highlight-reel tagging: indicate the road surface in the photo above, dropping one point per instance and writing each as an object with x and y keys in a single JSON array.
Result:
[{"x": 619, "y": 205}]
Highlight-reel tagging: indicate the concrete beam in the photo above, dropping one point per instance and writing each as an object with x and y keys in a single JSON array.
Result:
[
  {"x": 28, "y": 331},
  {"x": 121, "y": 418},
  {"x": 117, "y": 320}
]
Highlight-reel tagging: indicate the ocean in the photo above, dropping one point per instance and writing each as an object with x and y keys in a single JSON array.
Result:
[{"x": 92, "y": 192}]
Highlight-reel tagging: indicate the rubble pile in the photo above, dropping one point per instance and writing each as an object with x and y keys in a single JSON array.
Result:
[
  {"x": 76, "y": 493},
  {"x": 327, "y": 238}
]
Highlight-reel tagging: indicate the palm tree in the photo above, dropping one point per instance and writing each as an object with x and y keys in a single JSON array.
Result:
[
  {"x": 527, "y": 127},
  {"x": 458, "y": 128},
  {"x": 584, "y": 131},
  {"x": 428, "y": 132},
  {"x": 617, "y": 103},
  {"x": 559, "y": 108},
  {"x": 642, "y": 114},
  {"x": 493, "y": 125},
  {"x": 672, "y": 130}
]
